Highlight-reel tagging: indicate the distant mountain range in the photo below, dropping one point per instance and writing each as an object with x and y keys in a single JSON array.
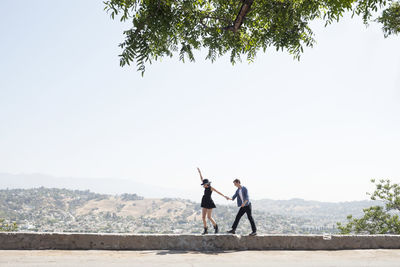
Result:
[{"x": 98, "y": 185}]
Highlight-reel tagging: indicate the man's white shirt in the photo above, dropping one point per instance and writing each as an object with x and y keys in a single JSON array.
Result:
[{"x": 241, "y": 195}]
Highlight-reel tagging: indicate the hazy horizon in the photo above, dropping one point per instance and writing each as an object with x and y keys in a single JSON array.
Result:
[{"x": 116, "y": 186}]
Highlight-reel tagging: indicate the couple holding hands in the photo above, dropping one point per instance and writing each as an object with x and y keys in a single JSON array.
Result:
[{"x": 243, "y": 202}]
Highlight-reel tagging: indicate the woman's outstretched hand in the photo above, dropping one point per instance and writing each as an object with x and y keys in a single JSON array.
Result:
[{"x": 228, "y": 198}]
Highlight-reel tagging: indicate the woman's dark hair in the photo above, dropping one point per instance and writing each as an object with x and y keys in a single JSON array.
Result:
[{"x": 236, "y": 181}]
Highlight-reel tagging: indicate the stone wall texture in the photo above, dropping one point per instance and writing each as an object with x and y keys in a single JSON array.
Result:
[{"x": 77, "y": 241}]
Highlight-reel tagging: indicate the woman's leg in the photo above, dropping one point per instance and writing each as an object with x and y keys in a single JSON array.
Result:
[
  {"x": 209, "y": 216},
  {"x": 203, "y": 216}
]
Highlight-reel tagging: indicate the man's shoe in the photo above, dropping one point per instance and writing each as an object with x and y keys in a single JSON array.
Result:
[
  {"x": 253, "y": 234},
  {"x": 231, "y": 232}
]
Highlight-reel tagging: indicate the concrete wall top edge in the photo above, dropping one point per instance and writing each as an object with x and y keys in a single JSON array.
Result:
[{"x": 189, "y": 235}]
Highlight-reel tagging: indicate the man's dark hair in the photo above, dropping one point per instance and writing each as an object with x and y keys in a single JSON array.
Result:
[{"x": 236, "y": 181}]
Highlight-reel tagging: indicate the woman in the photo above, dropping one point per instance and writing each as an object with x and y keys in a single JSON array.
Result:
[{"x": 207, "y": 203}]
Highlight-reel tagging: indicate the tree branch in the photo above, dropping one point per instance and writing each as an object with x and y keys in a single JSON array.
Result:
[{"x": 240, "y": 16}]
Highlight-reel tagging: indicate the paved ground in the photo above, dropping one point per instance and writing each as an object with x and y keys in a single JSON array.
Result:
[{"x": 98, "y": 258}]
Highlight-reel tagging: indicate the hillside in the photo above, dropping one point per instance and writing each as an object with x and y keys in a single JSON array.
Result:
[
  {"x": 63, "y": 210},
  {"x": 316, "y": 211}
]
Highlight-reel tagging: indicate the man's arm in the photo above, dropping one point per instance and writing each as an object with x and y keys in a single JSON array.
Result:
[
  {"x": 235, "y": 195},
  {"x": 245, "y": 196}
]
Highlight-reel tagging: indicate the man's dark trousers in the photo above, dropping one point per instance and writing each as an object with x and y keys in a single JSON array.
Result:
[{"x": 242, "y": 211}]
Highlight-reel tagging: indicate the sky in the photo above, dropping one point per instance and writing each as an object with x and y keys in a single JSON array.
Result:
[{"x": 319, "y": 128}]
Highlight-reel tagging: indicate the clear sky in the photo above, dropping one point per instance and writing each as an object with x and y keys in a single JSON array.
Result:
[{"x": 317, "y": 129}]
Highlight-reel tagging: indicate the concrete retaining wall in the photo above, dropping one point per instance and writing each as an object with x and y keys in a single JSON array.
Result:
[{"x": 77, "y": 241}]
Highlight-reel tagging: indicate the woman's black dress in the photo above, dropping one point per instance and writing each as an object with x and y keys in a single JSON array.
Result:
[{"x": 206, "y": 201}]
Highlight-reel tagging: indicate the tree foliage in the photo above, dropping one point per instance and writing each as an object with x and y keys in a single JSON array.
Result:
[
  {"x": 378, "y": 219},
  {"x": 236, "y": 27},
  {"x": 7, "y": 227},
  {"x": 390, "y": 19}
]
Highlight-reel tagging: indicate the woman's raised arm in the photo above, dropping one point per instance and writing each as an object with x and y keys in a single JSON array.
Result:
[{"x": 201, "y": 176}]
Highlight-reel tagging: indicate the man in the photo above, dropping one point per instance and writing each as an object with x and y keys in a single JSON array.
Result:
[{"x": 243, "y": 202}]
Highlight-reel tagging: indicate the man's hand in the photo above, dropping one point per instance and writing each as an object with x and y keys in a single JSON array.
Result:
[
  {"x": 242, "y": 205},
  {"x": 227, "y": 198}
]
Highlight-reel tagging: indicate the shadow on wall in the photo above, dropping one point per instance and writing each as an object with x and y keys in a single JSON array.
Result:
[{"x": 174, "y": 252}]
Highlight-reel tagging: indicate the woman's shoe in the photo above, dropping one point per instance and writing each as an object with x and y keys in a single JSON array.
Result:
[
  {"x": 205, "y": 231},
  {"x": 216, "y": 229}
]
